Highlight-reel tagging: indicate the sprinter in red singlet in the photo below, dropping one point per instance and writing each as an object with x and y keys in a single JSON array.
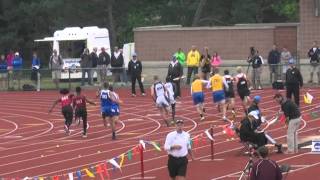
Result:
[
  {"x": 66, "y": 108},
  {"x": 80, "y": 109}
]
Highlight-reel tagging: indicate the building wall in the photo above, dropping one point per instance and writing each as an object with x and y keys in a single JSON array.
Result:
[
  {"x": 232, "y": 42},
  {"x": 309, "y": 29}
]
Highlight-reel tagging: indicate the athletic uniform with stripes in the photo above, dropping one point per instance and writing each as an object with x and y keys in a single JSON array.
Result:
[
  {"x": 197, "y": 91},
  {"x": 170, "y": 90},
  {"x": 160, "y": 94}
]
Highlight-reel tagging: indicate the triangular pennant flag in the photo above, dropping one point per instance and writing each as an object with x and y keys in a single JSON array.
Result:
[
  {"x": 114, "y": 163},
  {"x": 90, "y": 174},
  {"x": 136, "y": 150},
  {"x": 196, "y": 142},
  {"x": 121, "y": 160},
  {"x": 143, "y": 144},
  {"x": 55, "y": 177},
  {"x": 79, "y": 176},
  {"x": 35, "y": 178},
  {"x": 41, "y": 178},
  {"x": 26, "y": 178},
  {"x": 208, "y": 135},
  {"x": 70, "y": 176},
  {"x": 191, "y": 143},
  {"x": 155, "y": 145},
  {"x": 106, "y": 172},
  {"x": 99, "y": 171},
  {"x": 282, "y": 118},
  {"x": 314, "y": 115},
  {"x": 308, "y": 98},
  {"x": 129, "y": 155}
]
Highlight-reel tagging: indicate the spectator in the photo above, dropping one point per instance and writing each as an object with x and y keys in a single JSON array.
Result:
[
  {"x": 17, "y": 68},
  {"x": 103, "y": 62},
  {"x": 256, "y": 63},
  {"x": 178, "y": 146},
  {"x": 193, "y": 60},
  {"x": 175, "y": 72},
  {"x": 264, "y": 168},
  {"x": 3, "y": 72},
  {"x": 205, "y": 63},
  {"x": 86, "y": 65},
  {"x": 94, "y": 60},
  {"x": 293, "y": 119},
  {"x": 215, "y": 61},
  {"x": 135, "y": 70},
  {"x": 294, "y": 81},
  {"x": 117, "y": 62},
  {"x": 314, "y": 55},
  {"x": 55, "y": 64},
  {"x": 10, "y": 57},
  {"x": 181, "y": 57},
  {"x": 35, "y": 69},
  {"x": 273, "y": 61},
  {"x": 285, "y": 57}
]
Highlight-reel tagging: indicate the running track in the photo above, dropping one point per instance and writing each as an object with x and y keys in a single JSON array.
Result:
[{"x": 32, "y": 142}]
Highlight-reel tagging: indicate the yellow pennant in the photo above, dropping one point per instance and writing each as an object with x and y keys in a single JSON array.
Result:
[
  {"x": 90, "y": 174},
  {"x": 308, "y": 98},
  {"x": 122, "y": 159}
]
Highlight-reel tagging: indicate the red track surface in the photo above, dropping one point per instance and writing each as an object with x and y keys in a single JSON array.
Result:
[{"x": 33, "y": 143}]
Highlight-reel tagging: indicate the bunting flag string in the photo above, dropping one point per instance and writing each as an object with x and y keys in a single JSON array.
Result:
[{"x": 106, "y": 172}]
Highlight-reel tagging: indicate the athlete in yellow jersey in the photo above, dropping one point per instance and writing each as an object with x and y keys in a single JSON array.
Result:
[
  {"x": 217, "y": 84},
  {"x": 198, "y": 95}
]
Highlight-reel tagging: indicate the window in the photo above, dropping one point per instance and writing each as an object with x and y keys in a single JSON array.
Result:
[{"x": 316, "y": 7}]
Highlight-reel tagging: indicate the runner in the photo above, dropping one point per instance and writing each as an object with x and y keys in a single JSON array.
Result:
[
  {"x": 80, "y": 109},
  {"x": 159, "y": 94},
  {"x": 169, "y": 85},
  {"x": 198, "y": 95},
  {"x": 242, "y": 88},
  {"x": 66, "y": 108},
  {"x": 107, "y": 107},
  {"x": 217, "y": 84},
  {"x": 115, "y": 107},
  {"x": 230, "y": 97}
]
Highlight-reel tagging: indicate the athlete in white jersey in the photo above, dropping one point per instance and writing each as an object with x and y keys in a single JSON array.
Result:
[
  {"x": 159, "y": 95},
  {"x": 170, "y": 88}
]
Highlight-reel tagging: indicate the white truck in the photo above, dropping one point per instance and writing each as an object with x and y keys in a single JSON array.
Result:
[{"x": 70, "y": 43}]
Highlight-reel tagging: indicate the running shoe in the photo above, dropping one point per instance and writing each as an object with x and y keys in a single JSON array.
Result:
[
  {"x": 84, "y": 136},
  {"x": 133, "y": 95},
  {"x": 202, "y": 118}
]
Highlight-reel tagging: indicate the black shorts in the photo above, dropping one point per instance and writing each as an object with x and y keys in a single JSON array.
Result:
[
  {"x": 177, "y": 166},
  {"x": 229, "y": 94},
  {"x": 81, "y": 113},
  {"x": 67, "y": 114},
  {"x": 243, "y": 92}
]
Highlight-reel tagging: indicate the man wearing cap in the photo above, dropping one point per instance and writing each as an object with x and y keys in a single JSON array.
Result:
[
  {"x": 248, "y": 132},
  {"x": 135, "y": 70},
  {"x": 175, "y": 72},
  {"x": 294, "y": 81},
  {"x": 265, "y": 168},
  {"x": 293, "y": 120},
  {"x": 178, "y": 146}
]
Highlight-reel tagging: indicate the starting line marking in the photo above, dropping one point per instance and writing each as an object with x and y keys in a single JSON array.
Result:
[
  {"x": 207, "y": 160},
  {"x": 151, "y": 177}
]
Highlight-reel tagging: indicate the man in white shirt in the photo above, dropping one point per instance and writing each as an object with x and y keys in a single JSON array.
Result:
[{"x": 178, "y": 146}]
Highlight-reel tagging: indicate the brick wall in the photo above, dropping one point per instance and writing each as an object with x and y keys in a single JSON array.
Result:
[
  {"x": 309, "y": 29},
  {"x": 286, "y": 37},
  {"x": 233, "y": 42}
]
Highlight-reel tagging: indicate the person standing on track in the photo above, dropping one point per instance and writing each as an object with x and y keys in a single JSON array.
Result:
[
  {"x": 170, "y": 89},
  {"x": 217, "y": 84},
  {"x": 294, "y": 81},
  {"x": 135, "y": 70},
  {"x": 175, "y": 73},
  {"x": 198, "y": 95},
  {"x": 178, "y": 146},
  {"x": 243, "y": 88},
  {"x": 107, "y": 108},
  {"x": 159, "y": 94},
  {"x": 66, "y": 107},
  {"x": 80, "y": 109},
  {"x": 293, "y": 119}
]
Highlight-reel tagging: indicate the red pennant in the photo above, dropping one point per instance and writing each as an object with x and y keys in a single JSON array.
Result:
[
  {"x": 55, "y": 177},
  {"x": 106, "y": 172},
  {"x": 99, "y": 171},
  {"x": 196, "y": 142},
  {"x": 283, "y": 118},
  {"x": 136, "y": 150}
]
